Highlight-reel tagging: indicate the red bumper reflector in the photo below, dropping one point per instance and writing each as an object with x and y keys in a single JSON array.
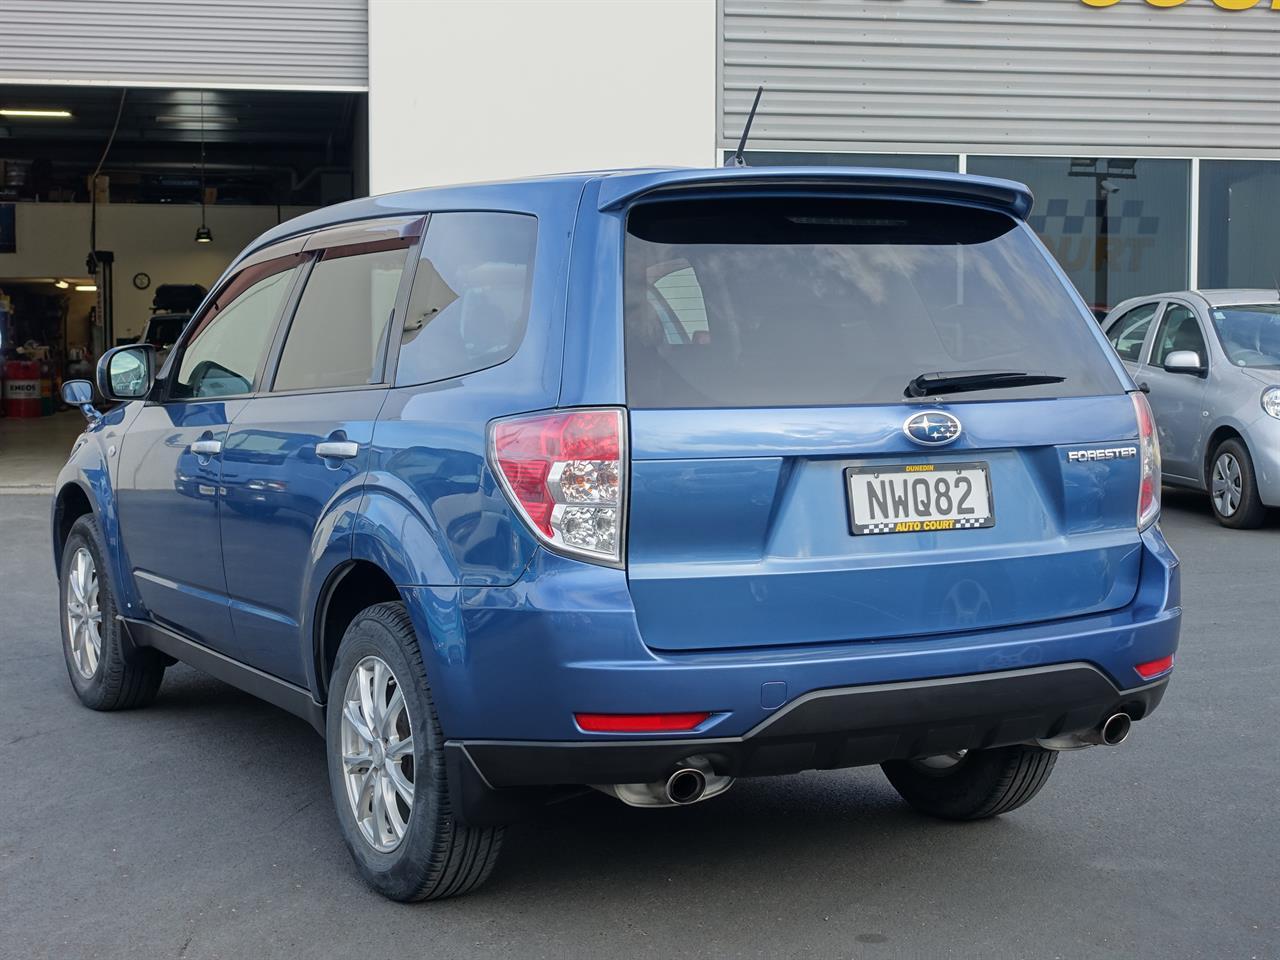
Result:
[
  {"x": 1155, "y": 667},
  {"x": 639, "y": 722}
]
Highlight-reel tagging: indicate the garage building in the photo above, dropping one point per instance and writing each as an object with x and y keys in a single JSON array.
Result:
[{"x": 1149, "y": 132}]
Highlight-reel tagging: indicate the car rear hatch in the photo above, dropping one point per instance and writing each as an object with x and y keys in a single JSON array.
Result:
[{"x": 786, "y": 489}]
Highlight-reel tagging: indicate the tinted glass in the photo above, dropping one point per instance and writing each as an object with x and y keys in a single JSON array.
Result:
[
  {"x": 1239, "y": 229},
  {"x": 223, "y": 356},
  {"x": 1118, "y": 227},
  {"x": 1250, "y": 335},
  {"x": 1128, "y": 333},
  {"x": 470, "y": 301},
  {"x": 1178, "y": 331},
  {"x": 338, "y": 334},
  {"x": 812, "y": 302}
]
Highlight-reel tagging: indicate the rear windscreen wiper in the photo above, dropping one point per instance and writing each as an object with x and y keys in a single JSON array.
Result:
[{"x": 928, "y": 384}]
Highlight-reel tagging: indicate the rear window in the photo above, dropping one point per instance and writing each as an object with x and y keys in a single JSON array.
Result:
[{"x": 812, "y": 302}]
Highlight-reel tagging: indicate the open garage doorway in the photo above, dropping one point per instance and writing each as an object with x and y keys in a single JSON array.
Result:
[{"x": 120, "y": 207}]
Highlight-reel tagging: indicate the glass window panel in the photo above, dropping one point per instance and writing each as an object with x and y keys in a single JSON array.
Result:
[
  {"x": 905, "y": 161},
  {"x": 1118, "y": 227},
  {"x": 1128, "y": 333},
  {"x": 223, "y": 355},
  {"x": 336, "y": 336},
  {"x": 1239, "y": 229},
  {"x": 1179, "y": 330},
  {"x": 470, "y": 300}
]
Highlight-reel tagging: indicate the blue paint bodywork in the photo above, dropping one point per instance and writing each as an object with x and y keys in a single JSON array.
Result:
[{"x": 743, "y": 588}]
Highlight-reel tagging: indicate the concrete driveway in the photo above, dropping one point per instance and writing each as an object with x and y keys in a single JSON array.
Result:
[{"x": 202, "y": 827}]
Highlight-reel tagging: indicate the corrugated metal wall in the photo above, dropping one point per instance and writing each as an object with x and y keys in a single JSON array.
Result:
[
  {"x": 208, "y": 43},
  {"x": 1003, "y": 76}
]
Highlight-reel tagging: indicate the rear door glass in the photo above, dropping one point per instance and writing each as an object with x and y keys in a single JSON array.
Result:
[
  {"x": 809, "y": 302},
  {"x": 1129, "y": 332},
  {"x": 338, "y": 334}
]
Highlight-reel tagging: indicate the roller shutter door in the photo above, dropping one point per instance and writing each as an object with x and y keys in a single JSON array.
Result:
[
  {"x": 299, "y": 44},
  {"x": 1003, "y": 76}
]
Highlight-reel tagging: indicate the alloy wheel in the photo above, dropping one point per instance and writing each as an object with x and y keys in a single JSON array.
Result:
[
  {"x": 84, "y": 616},
  {"x": 377, "y": 753},
  {"x": 1227, "y": 486}
]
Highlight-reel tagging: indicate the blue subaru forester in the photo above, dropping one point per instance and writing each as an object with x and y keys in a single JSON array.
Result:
[{"x": 637, "y": 480}]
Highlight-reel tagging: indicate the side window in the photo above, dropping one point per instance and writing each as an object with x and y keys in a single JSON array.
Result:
[
  {"x": 470, "y": 301},
  {"x": 677, "y": 297},
  {"x": 1178, "y": 331},
  {"x": 1128, "y": 333},
  {"x": 339, "y": 330},
  {"x": 223, "y": 354}
]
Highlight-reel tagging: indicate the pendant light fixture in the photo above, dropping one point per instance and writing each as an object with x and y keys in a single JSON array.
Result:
[{"x": 203, "y": 233}]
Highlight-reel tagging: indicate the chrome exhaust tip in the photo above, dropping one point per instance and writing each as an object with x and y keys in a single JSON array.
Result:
[
  {"x": 1115, "y": 729},
  {"x": 686, "y": 785}
]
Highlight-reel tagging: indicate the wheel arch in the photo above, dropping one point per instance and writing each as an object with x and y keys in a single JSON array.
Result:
[
  {"x": 1221, "y": 433},
  {"x": 350, "y": 588},
  {"x": 72, "y": 502}
]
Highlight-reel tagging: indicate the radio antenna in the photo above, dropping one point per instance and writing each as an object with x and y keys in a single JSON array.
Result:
[{"x": 738, "y": 160}]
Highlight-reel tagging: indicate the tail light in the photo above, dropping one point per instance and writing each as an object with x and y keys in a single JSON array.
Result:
[
  {"x": 566, "y": 474},
  {"x": 1149, "y": 458}
]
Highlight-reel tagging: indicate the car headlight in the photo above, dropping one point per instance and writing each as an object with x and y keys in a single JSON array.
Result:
[{"x": 1271, "y": 401}]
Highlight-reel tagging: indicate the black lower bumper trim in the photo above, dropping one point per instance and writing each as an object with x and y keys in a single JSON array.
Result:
[{"x": 844, "y": 727}]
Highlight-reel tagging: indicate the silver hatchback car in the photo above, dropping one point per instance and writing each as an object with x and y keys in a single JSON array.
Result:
[{"x": 1211, "y": 361}]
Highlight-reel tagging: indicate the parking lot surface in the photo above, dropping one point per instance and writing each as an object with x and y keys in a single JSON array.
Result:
[{"x": 202, "y": 826}]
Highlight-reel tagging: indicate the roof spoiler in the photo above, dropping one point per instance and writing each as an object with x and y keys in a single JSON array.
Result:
[{"x": 1005, "y": 195}]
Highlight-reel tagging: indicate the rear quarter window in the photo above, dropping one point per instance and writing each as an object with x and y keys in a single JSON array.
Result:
[{"x": 469, "y": 305}]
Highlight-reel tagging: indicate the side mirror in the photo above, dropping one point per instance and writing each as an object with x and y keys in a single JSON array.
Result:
[
  {"x": 79, "y": 393},
  {"x": 76, "y": 393},
  {"x": 128, "y": 372},
  {"x": 1184, "y": 361}
]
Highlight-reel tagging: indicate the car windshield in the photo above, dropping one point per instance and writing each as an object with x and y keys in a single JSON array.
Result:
[
  {"x": 830, "y": 301},
  {"x": 1250, "y": 334}
]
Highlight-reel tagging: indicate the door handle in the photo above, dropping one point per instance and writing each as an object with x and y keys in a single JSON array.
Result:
[
  {"x": 337, "y": 449},
  {"x": 206, "y": 448}
]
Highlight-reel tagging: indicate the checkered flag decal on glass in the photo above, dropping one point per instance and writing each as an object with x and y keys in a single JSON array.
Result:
[{"x": 1058, "y": 220}]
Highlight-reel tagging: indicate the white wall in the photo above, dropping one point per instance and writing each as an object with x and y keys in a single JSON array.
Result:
[
  {"x": 468, "y": 90},
  {"x": 156, "y": 239}
]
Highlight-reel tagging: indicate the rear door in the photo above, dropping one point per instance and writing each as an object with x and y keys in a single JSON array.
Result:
[
  {"x": 295, "y": 457},
  {"x": 1177, "y": 399},
  {"x": 786, "y": 489}
]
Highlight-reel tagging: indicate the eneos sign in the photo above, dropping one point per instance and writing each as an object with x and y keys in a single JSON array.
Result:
[{"x": 1220, "y": 4}]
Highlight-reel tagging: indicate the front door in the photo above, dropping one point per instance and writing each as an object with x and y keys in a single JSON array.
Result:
[
  {"x": 296, "y": 455},
  {"x": 170, "y": 459},
  {"x": 1177, "y": 398}
]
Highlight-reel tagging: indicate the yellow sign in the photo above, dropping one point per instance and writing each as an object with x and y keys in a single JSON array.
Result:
[{"x": 1220, "y": 4}]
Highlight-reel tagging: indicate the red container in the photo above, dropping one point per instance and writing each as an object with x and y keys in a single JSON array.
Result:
[{"x": 22, "y": 388}]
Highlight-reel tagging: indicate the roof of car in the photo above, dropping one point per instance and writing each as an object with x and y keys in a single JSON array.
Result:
[
  {"x": 1239, "y": 295},
  {"x": 1225, "y": 297},
  {"x": 620, "y": 187}
]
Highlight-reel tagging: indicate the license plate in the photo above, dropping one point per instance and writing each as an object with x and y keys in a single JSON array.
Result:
[{"x": 918, "y": 497}]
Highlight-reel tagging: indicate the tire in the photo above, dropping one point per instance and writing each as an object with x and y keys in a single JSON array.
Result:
[
  {"x": 1233, "y": 487},
  {"x": 977, "y": 785},
  {"x": 410, "y": 851},
  {"x": 106, "y": 670}
]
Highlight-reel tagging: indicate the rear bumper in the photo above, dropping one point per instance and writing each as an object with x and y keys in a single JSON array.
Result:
[
  {"x": 841, "y": 727},
  {"x": 516, "y": 663}
]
